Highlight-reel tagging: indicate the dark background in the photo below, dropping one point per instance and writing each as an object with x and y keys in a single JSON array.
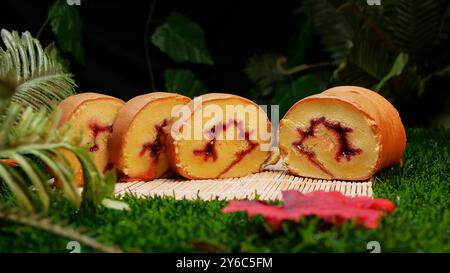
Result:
[
  {"x": 113, "y": 42},
  {"x": 113, "y": 39}
]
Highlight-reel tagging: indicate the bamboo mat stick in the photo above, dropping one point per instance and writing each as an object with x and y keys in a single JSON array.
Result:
[{"x": 268, "y": 185}]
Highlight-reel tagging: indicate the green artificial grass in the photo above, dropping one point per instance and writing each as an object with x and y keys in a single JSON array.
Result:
[{"x": 420, "y": 223}]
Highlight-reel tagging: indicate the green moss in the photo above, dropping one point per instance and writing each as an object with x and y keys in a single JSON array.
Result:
[{"x": 420, "y": 223}]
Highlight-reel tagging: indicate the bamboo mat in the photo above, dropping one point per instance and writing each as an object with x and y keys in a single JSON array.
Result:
[{"x": 266, "y": 185}]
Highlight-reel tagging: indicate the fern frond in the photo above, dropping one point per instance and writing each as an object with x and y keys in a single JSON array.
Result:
[
  {"x": 49, "y": 225},
  {"x": 97, "y": 186},
  {"x": 29, "y": 137},
  {"x": 444, "y": 29},
  {"x": 32, "y": 140},
  {"x": 262, "y": 71},
  {"x": 30, "y": 75},
  {"x": 333, "y": 27},
  {"x": 415, "y": 24},
  {"x": 368, "y": 61}
]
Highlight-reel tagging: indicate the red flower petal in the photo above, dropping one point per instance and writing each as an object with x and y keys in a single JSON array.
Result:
[{"x": 332, "y": 207}]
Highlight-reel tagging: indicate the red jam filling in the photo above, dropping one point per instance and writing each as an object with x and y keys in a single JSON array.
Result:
[
  {"x": 345, "y": 148},
  {"x": 240, "y": 155},
  {"x": 210, "y": 151},
  {"x": 156, "y": 146},
  {"x": 98, "y": 129}
]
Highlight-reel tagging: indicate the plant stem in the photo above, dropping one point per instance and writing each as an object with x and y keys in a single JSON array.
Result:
[
  {"x": 42, "y": 28},
  {"x": 146, "y": 45},
  {"x": 300, "y": 68}
]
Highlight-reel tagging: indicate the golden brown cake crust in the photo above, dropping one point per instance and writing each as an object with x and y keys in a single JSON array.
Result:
[{"x": 69, "y": 105}]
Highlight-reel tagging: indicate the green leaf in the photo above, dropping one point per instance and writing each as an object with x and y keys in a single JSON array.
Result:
[
  {"x": 22, "y": 199},
  {"x": 184, "y": 82},
  {"x": 97, "y": 186},
  {"x": 7, "y": 124},
  {"x": 183, "y": 40},
  {"x": 65, "y": 21},
  {"x": 38, "y": 182},
  {"x": 55, "y": 54},
  {"x": 397, "y": 68},
  {"x": 287, "y": 94},
  {"x": 64, "y": 177}
]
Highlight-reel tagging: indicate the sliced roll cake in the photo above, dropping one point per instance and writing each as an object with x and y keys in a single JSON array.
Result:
[
  {"x": 219, "y": 136},
  {"x": 346, "y": 133},
  {"x": 91, "y": 116},
  {"x": 137, "y": 142}
]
